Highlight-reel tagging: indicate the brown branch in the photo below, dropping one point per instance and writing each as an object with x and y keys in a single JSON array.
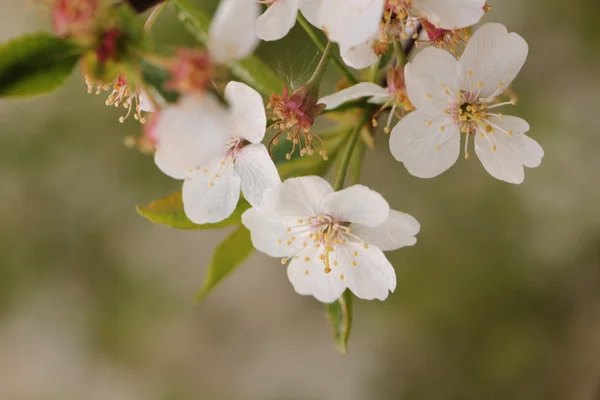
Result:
[{"x": 142, "y": 5}]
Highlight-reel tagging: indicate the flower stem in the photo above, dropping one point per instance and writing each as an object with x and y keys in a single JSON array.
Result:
[
  {"x": 321, "y": 46},
  {"x": 347, "y": 155},
  {"x": 314, "y": 82},
  {"x": 154, "y": 16}
]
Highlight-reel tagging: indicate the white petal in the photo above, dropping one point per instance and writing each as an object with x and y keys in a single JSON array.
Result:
[
  {"x": 450, "y": 14},
  {"x": 357, "y": 204},
  {"x": 351, "y": 22},
  {"x": 495, "y": 57},
  {"x": 257, "y": 171},
  {"x": 360, "y": 55},
  {"x": 232, "y": 35},
  {"x": 371, "y": 276},
  {"x": 248, "y": 111},
  {"x": 431, "y": 79},
  {"x": 210, "y": 199},
  {"x": 277, "y": 21},
  {"x": 145, "y": 102},
  {"x": 311, "y": 9},
  {"x": 363, "y": 89},
  {"x": 310, "y": 279},
  {"x": 503, "y": 155},
  {"x": 299, "y": 197},
  {"x": 398, "y": 231},
  {"x": 426, "y": 149},
  {"x": 190, "y": 134},
  {"x": 269, "y": 233}
]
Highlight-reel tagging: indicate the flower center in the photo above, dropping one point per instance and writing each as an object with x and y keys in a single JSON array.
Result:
[
  {"x": 295, "y": 115},
  {"x": 395, "y": 24},
  {"x": 120, "y": 96},
  {"x": 326, "y": 233},
  {"x": 472, "y": 113}
]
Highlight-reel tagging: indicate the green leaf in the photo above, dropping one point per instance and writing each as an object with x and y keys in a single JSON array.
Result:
[
  {"x": 252, "y": 71},
  {"x": 35, "y": 64},
  {"x": 169, "y": 211},
  {"x": 339, "y": 314},
  {"x": 230, "y": 254}
]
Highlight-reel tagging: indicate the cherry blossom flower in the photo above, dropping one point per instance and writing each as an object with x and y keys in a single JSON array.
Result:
[
  {"x": 73, "y": 17},
  {"x": 216, "y": 151},
  {"x": 280, "y": 17},
  {"x": 453, "y": 97},
  {"x": 365, "y": 28},
  {"x": 393, "y": 95},
  {"x": 331, "y": 240}
]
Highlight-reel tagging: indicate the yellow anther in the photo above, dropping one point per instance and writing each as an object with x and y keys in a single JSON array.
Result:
[
  {"x": 429, "y": 96},
  {"x": 366, "y": 246},
  {"x": 335, "y": 263},
  {"x": 300, "y": 221},
  {"x": 307, "y": 259},
  {"x": 327, "y": 270},
  {"x": 353, "y": 264},
  {"x": 289, "y": 230},
  {"x": 466, "y": 156},
  {"x": 509, "y": 133},
  {"x": 494, "y": 148},
  {"x": 289, "y": 243},
  {"x": 479, "y": 85},
  {"x": 279, "y": 241},
  {"x": 437, "y": 147},
  {"x": 284, "y": 261},
  {"x": 431, "y": 122},
  {"x": 355, "y": 253},
  {"x": 342, "y": 277}
]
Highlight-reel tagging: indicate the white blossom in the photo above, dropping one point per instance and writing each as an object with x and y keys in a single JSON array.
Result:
[
  {"x": 189, "y": 134},
  {"x": 232, "y": 35},
  {"x": 331, "y": 240},
  {"x": 453, "y": 97},
  {"x": 356, "y": 25},
  {"x": 280, "y": 17},
  {"x": 450, "y": 14},
  {"x": 211, "y": 192}
]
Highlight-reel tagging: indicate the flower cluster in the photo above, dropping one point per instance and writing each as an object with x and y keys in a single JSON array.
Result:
[{"x": 208, "y": 131}]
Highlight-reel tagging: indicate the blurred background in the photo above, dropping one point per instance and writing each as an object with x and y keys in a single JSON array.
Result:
[{"x": 500, "y": 299}]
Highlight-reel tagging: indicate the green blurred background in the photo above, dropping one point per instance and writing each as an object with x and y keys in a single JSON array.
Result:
[{"x": 500, "y": 299}]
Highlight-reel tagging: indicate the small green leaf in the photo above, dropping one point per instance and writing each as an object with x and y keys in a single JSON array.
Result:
[
  {"x": 230, "y": 254},
  {"x": 35, "y": 64},
  {"x": 339, "y": 314},
  {"x": 169, "y": 211},
  {"x": 252, "y": 71}
]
